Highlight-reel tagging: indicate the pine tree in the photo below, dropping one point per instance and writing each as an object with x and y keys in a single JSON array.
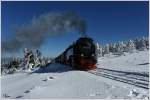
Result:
[
  {"x": 147, "y": 42},
  {"x": 130, "y": 46},
  {"x": 120, "y": 47},
  {"x": 123, "y": 46},
  {"x": 106, "y": 49},
  {"x": 141, "y": 44},
  {"x": 101, "y": 51},
  {"x": 111, "y": 47},
  {"x": 97, "y": 49}
]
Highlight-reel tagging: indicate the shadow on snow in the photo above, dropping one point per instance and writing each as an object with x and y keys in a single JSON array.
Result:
[
  {"x": 53, "y": 68},
  {"x": 144, "y": 64}
]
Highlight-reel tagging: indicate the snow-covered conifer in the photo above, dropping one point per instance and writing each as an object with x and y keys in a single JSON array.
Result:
[
  {"x": 106, "y": 49},
  {"x": 111, "y": 47},
  {"x": 101, "y": 51},
  {"x": 97, "y": 49},
  {"x": 147, "y": 42},
  {"x": 141, "y": 44},
  {"x": 130, "y": 46}
]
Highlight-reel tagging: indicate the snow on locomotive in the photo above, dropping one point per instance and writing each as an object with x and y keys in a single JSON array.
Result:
[{"x": 80, "y": 55}]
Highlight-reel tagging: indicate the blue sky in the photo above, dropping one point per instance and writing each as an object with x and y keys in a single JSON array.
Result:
[{"x": 106, "y": 21}]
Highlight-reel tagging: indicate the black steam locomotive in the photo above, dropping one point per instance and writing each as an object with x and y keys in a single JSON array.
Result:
[{"x": 80, "y": 55}]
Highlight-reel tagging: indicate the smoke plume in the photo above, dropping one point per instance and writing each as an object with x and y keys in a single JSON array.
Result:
[{"x": 34, "y": 33}]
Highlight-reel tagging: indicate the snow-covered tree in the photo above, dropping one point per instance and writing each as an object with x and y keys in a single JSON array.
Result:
[
  {"x": 99, "y": 50},
  {"x": 37, "y": 58},
  {"x": 106, "y": 49},
  {"x": 147, "y": 42},
  {"x": 111, "y": 47},
  {"x": 130, "y": 46},
  {"x": 125, "y": 46},
  {"x": 120, "y": 47},
  {"x": 140, "y": 44}
]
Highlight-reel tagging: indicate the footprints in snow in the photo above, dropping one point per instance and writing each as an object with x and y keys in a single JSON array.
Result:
[
  {"x": 27, "y": 91},
  {"x": 48, "y": 78},
  {"x": 19, "y": 97},
  {"x": 6, "y": 95}
]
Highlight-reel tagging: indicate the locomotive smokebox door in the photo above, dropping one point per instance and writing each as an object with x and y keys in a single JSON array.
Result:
[{"x": 85, "y": 54}]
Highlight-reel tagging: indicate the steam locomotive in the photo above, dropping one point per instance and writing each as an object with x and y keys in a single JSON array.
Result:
[{"x": 80, "y": 55}]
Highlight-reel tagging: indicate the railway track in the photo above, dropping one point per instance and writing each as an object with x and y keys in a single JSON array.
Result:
[{"x": 134, "y": 78}]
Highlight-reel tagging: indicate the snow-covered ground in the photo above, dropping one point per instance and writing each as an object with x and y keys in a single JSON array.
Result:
[
  {"x": 137, "y": 61},
  {"x": 60, "y": 81}
]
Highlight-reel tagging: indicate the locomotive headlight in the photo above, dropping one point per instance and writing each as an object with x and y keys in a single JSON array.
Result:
[
  {"x": 82, "y": 55},
  {"x": 93, "y": 55}
]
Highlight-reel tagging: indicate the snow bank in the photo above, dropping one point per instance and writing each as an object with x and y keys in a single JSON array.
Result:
[{"x": 60, "y": 81}]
